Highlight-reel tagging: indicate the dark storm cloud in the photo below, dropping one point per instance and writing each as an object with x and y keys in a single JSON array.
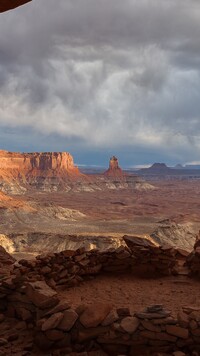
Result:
[{"x": 107, "y": 72}]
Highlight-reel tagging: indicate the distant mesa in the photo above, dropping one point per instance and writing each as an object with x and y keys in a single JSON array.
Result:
[
  {"x": 179, "y": 166},
  {"x": 192, "y": 166},
  {"x": 6, "y": 5},
  {"x": 159, "y": 167},
  {"x": 55, "y": 171},
  {"x": 114, "y": 169},
  {"x": 156, "y": 169}
]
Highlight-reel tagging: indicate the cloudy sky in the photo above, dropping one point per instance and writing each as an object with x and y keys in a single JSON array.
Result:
[{"x": 103, "y": 77}]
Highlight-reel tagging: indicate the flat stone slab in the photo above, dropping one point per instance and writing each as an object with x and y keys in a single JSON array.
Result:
[{"x": 41, "y": 295}]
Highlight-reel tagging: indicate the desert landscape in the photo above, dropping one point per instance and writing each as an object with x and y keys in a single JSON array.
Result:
[
  {"x": 112, "y": 223},
  {"x": 99, "y": 258}
]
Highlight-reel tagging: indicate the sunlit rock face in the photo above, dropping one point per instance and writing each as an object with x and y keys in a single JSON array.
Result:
[
  {"x": 50, "y": 169},
  {"x": 114, "y": 169},
  {"x": 6, "y": 5},
  {"x": 55, "y": 171},
  {"x": 26, "y": 163}
]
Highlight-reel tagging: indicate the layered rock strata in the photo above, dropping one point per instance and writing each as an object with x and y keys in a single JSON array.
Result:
[
  {"x": 52, "y": 170},
  {"x": 55, "y": 171}
]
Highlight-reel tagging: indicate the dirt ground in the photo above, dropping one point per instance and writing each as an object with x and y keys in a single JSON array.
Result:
[{"x": 124, "y": 290}]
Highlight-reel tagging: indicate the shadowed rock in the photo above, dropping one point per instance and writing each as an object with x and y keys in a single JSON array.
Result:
[{"x": 6, "y": 5}]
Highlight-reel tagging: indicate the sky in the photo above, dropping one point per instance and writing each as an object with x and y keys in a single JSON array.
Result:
[{"x": 102, "y": 78}]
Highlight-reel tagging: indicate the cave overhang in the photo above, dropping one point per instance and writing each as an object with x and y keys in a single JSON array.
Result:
[{"x": 6, "y": 5}]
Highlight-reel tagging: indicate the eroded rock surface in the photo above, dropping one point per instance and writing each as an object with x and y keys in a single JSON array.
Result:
[
  {"x": 114, "y": 169},
  {"x": 176, "y": 235},
  {"x": 55, "y": 171}
]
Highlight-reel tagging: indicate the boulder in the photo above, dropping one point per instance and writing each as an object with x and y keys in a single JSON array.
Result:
[
  {"x": 52, "y": 322},
  {"x": 94, "y": 314},
  {"x": 68, "y": 320},
  {"x": 41, "y": 295}
]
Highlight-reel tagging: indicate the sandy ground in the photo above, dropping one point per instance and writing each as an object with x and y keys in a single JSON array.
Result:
[{"x": 127, "y": 291}]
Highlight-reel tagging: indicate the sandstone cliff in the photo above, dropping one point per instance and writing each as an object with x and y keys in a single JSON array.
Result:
[
  {"x": 18, "y": 170},
  {"x": 55, "y": 171},
  {"x": 16, "y": 163},
  {"x": 6, "y": 5}
]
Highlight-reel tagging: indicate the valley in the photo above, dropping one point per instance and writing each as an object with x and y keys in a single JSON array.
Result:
[
  {"x": 169, "y": 209},
  {"x": 94, "y": 239}
]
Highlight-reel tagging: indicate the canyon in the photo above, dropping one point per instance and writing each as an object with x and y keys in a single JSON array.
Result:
[
  {"x": 76, "y": 240},
  {"x": 55, "y": 171}
]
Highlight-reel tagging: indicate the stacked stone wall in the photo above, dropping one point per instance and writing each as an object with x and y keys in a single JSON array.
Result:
[
  {"x": 29, "y": 294},
  {"x": 69, "y": 268},
  {"x": 57, "y": 325}
]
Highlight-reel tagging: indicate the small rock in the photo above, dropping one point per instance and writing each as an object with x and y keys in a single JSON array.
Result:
[
  {"x": 52, "y": 322},
  {"x": 111, "y": 318},
  {"x": 55, "y": 335},
  {"x": 68, "y": 320},
  {"x": 183, "y": 319},
  {"x": 123, "y": 312},
  {"x": 177, "y": 331},
  {"x": 130, "y": 324},
  {"x": 193, "y": 325},
  {"x": 94, "y": 314}
]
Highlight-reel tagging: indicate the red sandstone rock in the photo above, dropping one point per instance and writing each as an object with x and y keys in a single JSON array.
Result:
[
  {"x": 88, "y": 334},
  {"x": 177, "y": 331},
  {"x": 52, "y": 322},
  {"x": 33, "y": 163},
  {"x": 114, "y": 169},
  {"x": 183, "y": 319},
  {"x": 94, "y": 314},
  {"x": 68, "y": 320},
  {"x": 6, "y": 5},
  {"x": 58, "y": 308},
  {"x": 41, "y": 295},
  {"x": 130, "y": 324},
  {"x": 111, "y": 318}
]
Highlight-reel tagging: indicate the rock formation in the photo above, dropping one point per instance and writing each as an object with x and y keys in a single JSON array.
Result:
[
  {"x": 55, "y": 171},
  {"x": 176, "y": 235},
  {"x": 36, "y": 169},
  {"x": 6, "y": 5},
  {"x": 30, "y": 296},
  {"x": 114, "y": 169},
  {"x": 44, "y": 163},
  {"x": 157, "y": 168}
]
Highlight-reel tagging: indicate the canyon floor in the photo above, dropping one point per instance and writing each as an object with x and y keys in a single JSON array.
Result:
[
  {"x": 39, "y": 222},
  {"x": 111, "y": 213},
  {"x": 114, "y": 211}
]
